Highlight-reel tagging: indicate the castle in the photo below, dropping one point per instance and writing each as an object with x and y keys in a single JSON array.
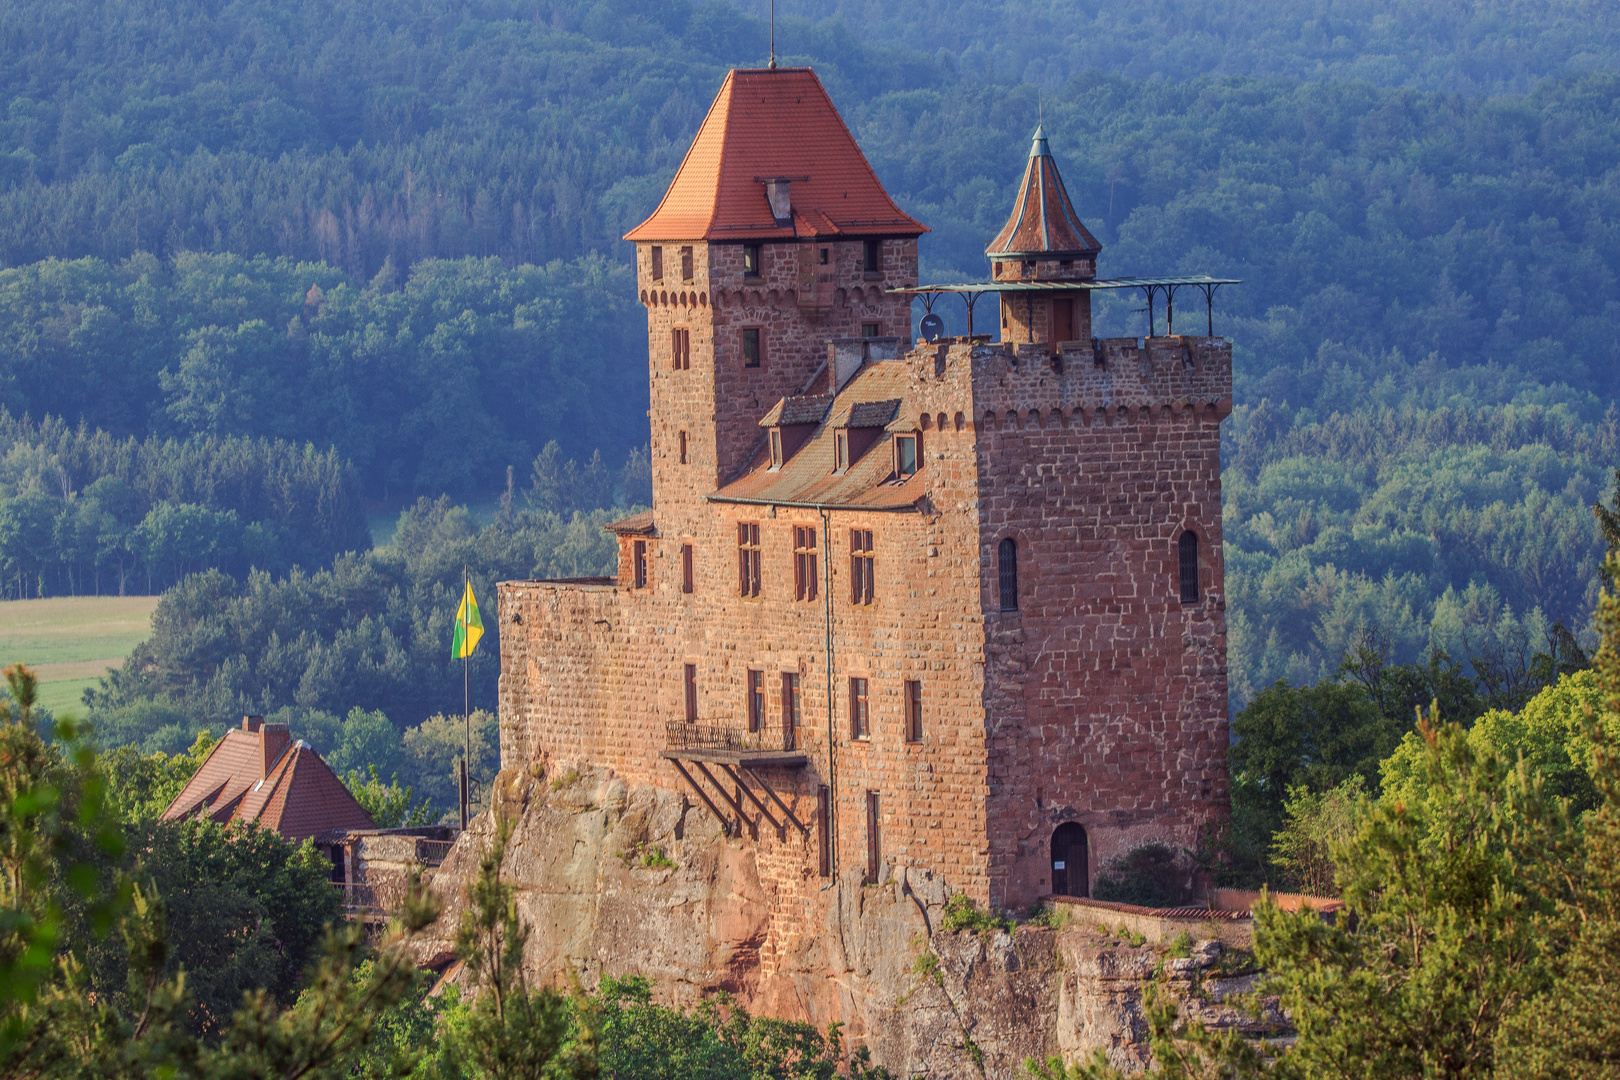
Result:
[{"x": 953, "y": 608}]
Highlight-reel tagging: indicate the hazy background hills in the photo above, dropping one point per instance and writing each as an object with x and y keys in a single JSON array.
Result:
[{"x": 390, "y": 231}]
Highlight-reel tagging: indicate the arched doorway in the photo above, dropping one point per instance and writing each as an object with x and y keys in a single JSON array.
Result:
[{"x": 1070, "y": 861}]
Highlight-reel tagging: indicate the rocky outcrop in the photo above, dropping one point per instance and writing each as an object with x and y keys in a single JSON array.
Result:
[{"x": 620, "y": 880}]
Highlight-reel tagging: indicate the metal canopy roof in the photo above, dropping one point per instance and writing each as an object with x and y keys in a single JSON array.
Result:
[{"x": 1069, "y": 286}]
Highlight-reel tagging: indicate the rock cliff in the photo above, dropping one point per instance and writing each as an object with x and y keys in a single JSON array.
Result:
[{"x": 619, "y": 879}]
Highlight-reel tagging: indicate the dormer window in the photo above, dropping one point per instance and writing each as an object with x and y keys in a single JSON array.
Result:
[
  {"x": 840, "y": 451},
  {"x": 776, "y": 448},
  {"x": 905, "y": 455},
  {"x": 751, "y": 261}
]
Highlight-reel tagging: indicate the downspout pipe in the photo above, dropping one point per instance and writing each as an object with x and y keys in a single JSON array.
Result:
[{"x": 832, "y": 744}]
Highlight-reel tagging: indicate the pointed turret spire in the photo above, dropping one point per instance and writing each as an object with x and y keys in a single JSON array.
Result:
[{"x": 1043, "y": 224}]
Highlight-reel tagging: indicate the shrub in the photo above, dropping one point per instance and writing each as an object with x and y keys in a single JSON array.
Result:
[{"x": 1151, "y": 875}]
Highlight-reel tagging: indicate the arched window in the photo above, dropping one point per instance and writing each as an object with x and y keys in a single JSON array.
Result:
[
  {"x": 1189, "y": 567},
  {"x": 1007, "y": 559}
]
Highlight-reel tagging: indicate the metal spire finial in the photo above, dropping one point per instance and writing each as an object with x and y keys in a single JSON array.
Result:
[{"x": 773, "y": 35}]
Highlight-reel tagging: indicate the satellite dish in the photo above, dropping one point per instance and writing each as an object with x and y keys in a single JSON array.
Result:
[{"x": 932, "y": 327}]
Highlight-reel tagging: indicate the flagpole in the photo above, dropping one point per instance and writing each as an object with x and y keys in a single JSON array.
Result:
[{"x": 466, "y": 707}]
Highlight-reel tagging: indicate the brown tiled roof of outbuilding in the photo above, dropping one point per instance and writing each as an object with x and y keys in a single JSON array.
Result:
[
  {"x": 1043, "y": 221},
  {"x": 635, "y": 525},
  {"x": 774, "y": 124},
  {"x": 808, "y": 409},
  {"x": 297, "y": 795}
]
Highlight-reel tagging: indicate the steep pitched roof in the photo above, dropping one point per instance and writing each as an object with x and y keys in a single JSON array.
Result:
[
  {"x": 774, "y": 125},
  {"x": 295, "y": 793},
  {"x": 1043, "y": 221}
]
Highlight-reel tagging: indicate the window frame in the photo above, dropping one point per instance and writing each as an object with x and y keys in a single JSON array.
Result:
[
  {"x": 681, "y": 445},
  {"x": 862, "y": 567},
  {"x": 756, "y": 699},
  {"x": 687, "y": 262},
  {"x": 913, "y": 710},
  {"x": 840, "y": 451},
  {"x": 860, "y": 709},
  {"x": 680, "y": 346},
  {"x": 748, "y": 559},
  {"x": 689, "y": 691},
  {"x": 755, "y": 336},
  {"x": 1007, "y": 572},
  {"x": 688, "y": 577},
  {"x": 638, "y": 563},
  {"x": 656, "y": 258},
  {"x": 775, "y": 440},
  {"x": 872, "y": 256},
  {"x": 871, "y": 329},
  {"x": 792, "y": 709},
  {"x": 805, "y": 565},
  {"x": 753, "y": 253},
  {"x": 915, "y": 439},
  {"x": 1189, "y": 567}
]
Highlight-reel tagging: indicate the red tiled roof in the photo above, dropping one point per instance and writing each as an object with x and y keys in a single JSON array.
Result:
[
  {"x": 1043, "y": 220},
  {"x": 299, "y": 796},
  {"x": 764, "y": 125},
  {"x": 875, "y": 392}
]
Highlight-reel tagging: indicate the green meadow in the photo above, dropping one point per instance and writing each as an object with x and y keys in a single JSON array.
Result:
[{"x": 71, "y": 641}]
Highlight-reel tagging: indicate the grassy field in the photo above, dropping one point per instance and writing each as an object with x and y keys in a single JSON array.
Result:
[{"x": 72, "y": 641}]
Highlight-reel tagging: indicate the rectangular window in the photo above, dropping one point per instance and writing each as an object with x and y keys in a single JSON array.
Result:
[
  {"x": 682, "y": 441},
  {"x": 792, "y": 709},
  {"x": 870, "y": 329},
  {"x": 751, "y": 260},
  {"x": 905, "y": 455},
  {"x": 750, "y": 346},
  {"x": 748, "y": 558},
  {"x": 804, "y": 562},
  {"x": 824, "y": 828},
  {"x": 680, "y": 347},
  {"x": 860, "y": 566},
  {"x": 874, "y": 842},
  {"x": 657, "y": 263},
  {"x": 840, "y": 451},
  {"x": 913, "y": 710},
  {"x": 776, "y": 448},
  {"x": 686, "y": 263},
  {"x": 860, "y": 720},
  {"x": 640, "y": 560},
  {"x": 872, "y": 253},
  {"x": 689, "y": 687},
  {"x": 756, "y": 700},
  {"x": 686, "y": 568},
  {"x": 823, "y": 257}
]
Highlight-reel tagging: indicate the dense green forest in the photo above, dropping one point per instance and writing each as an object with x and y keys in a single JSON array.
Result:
[{"x": 394, "y": 232}]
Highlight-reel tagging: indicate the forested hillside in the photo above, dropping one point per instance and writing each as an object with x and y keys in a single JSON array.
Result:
[{"x": 393, "y": 230}]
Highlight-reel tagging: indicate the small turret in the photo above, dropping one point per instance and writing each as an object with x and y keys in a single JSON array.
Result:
[{"x": 1044, "y": 239}]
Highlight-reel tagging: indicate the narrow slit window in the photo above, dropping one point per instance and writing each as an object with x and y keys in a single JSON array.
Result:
[
  {"x": 860, "y": 566},
  {"x": 913, "y": 710},
  {"x": 751, "y": 351},
  {"x": 1189, "y": 567},
  {"x": 756, "y": 700},
  {"x": 640, "y": 560},
  {"x": 1007, "y": 573},
  {"x": 860, "y": 718},
  {"x": 689, "y": 684},
  {"x": 804, "y": 562},
  {"x": 686, "y": 568},
  {"x": 748, "y": 558},
  {"x": 840, "y": 451},
  {"x": 874, "y": 839},
  {"x": 686, "y": 264},
  {"x": 905, "y": 455},
  {"x": 657, "y": 263},
  {"x": 792, "y": 709},
  {"x": 682, "y": 441}
]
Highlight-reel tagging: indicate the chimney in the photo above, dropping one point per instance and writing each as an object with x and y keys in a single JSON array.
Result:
[
  {"x": 274, "y": 738},
  {"x": 251, "y": 723}
]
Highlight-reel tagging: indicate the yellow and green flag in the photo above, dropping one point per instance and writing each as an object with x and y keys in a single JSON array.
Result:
[{"x": 469, "y": 627}]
